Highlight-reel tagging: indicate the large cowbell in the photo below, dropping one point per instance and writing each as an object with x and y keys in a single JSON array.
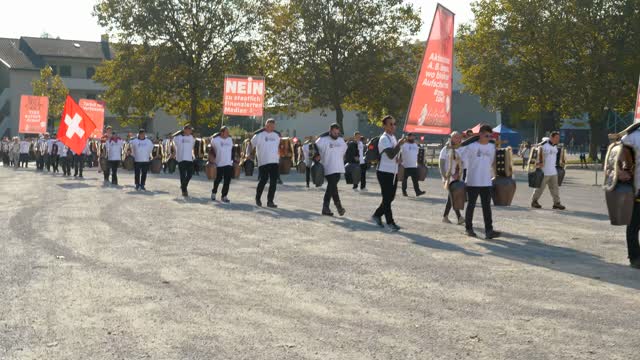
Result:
[
  {"x": 458, "y": 194},
  {"x": 504, "y": 187},
  {"x": 317, "y": 173},
  {"x": 620, "y": 196}
]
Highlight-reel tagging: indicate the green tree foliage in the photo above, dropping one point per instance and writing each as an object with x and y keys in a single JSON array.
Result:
[
  {"x": 51, "y": 86},
  {"x": 338, "y": 53},
  {"x": 173, "y": 54}
]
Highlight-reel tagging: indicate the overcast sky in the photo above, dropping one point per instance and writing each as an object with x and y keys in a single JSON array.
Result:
[{"x": 71, "y": 19}]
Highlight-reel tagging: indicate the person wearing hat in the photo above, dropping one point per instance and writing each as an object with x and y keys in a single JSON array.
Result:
[
  {"x": 409, "y": 157},
  {"x": 184, "y": 144},
  {"x": 141, "y": 148},
  {"x": 223, "y": 147},
  {"x": 114, "y": 155},
  {"x": 331, "y": 149}
]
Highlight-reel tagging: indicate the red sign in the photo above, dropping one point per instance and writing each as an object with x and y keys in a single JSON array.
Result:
[
  {"x": 75, "y": 126},
  {"x": 34, "y": 111},
  {"x": 430, "y": 109},
  {"x": 637, "y": 117},
  {"x": 95, "y": 110},
  {"x": 243, "y": 95}
]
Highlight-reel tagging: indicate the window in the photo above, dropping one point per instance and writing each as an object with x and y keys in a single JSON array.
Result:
[
  {"x": 91, "y": 96},
  {"x": 65, "y": 70},
  {"x": 90, "y": 72}
]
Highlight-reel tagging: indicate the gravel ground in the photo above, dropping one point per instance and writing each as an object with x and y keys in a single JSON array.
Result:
[{"x": 98, "y": 272}]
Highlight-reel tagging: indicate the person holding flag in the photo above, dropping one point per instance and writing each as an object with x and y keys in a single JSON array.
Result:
[{"x": 74, "y": 131}]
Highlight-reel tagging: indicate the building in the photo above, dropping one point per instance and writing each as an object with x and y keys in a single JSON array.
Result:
[{"x": 75, "y": 62}]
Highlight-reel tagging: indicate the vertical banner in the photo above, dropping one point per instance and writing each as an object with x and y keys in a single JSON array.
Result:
[
  {"x": 95, "y": 110},
  {"x": 637, "y": 117},
  {"x": 34, "y": 111},
  {"x": 243, "y": 95},
  {"x": 430, "y": 107}
]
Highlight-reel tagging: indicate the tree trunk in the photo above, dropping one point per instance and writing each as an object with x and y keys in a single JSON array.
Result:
[
  {"x": 339, "y": 116},
  {"x": 598, "y": 124},
  {"x": 193, "y": 112}
]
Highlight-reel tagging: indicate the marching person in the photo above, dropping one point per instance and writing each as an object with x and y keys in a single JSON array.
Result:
[
  {"x": 362, "y": 162},
  {"x": 79, "y": 159},
  {"x": 332, "y": 149},
  {"x": 15, "y": 152},
  {"x": 42, "y": 150},
  {"x": 25, "y": 145},
  {"x": 266, "y": 142},
  {"x": 445, "y": 165},
  {"x": 525, "y": 152},
  {"x": 223, "y": 147},
  {"x": 5, "y": 151},
  {"x": 548, "y": 165},
  {"x": 141, "y": 148},
  {"x": 114, "y": 155},
  {"x": 388, "y": 147},
  {"x": 184, "y": 144},
  {"x": 409, "y": 157},
  {"x": 54, "y": 154},
  {"x": 633, "y": 245},
  {"x": 479, "y": 157},
  {"x": 65, "y": 157},
  {"x": 307, "y": 158}
]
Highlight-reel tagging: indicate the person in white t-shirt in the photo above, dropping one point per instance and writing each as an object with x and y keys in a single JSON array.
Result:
[
  {"x": 141, "y": 148},
  {"x": 113, "y": 148},
  {"x": 331, "y": 149},
  {"x": 445, "y": 164},
  {"x": 25, "y": 145},
  {"x": 479, "y": 157},
  {"x": 267, "y": 144},
  {"x": 409, "y": 158},
  {"x": 388, "y": 147},
  {"x": 184, "y": 155},
  {"x": 223, "y": 146},
  {"x": 306, "y": 147},
  {"x": 363, "y": 163},
  {"x": 548, "y": 165},
  {"x": 633, "y": 245}
]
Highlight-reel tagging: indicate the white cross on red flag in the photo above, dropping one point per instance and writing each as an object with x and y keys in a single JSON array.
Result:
[{"x": 75, "y": 126}]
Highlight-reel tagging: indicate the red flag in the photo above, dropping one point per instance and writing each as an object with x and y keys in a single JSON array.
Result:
[
  {"x": 75, "y": 126},
  {"x": 637, "y": 117},
  {"x": 430, "y": 108}
]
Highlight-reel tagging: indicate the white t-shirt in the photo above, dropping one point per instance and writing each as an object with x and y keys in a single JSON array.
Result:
[
  {"x": 444, "y": 155},
  {"x": 387, "y": 165},
  {"x": 62, "y": 149},
  {"x": 409, "y": 155},
  {"x": 50, "y": 143},
  {"x": 87, "y": 148},
  {"x": 184, "y": 147},
  {"x": 479, "y": 159},
  {"x": 141, "y": 149},
  {"x": 550, "y": 157},
  {"x": 361, "y": 152},
  {"x": 114, "y": 149},
  {"x": 224, "y": 150},
  {"x": 305, "y": 153},
  {"x": 332, "y": 154},
  {"x": 633, "y": 140},
  {"x": 24, "y": 147},
  {"x": 267, "y": 147}
]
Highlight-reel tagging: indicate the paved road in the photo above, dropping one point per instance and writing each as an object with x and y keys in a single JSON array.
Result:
[{"x": 93, "y": 272}]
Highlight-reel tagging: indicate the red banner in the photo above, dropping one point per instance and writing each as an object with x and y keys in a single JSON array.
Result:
[
  {"x": 95, "y": 110},
  {"x": 430, "y": 108},
  {"x": 243, "y": 95},
  {"x": 637, "y": 117},
  {"x": 34, "y": 111}
]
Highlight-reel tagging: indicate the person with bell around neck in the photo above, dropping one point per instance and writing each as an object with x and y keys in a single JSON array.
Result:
[
  {"x": 184, "y": 144},
  {"x": 223, "y": 147},
  {"x": 409, "y": 157},
  {"x": 548, "y": 165},
  {"x": 388, "y": 148},
  {"x": 479, "y": 157},
  {"x": 141, "y": 148},
  {"x": 267, "y": 142},
  {"x": 331, "y": 149}
]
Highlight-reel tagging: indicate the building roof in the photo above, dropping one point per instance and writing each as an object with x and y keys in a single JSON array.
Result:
[
  {"x": 67, "y": 48},
  {"x": 11, "y": 55}
]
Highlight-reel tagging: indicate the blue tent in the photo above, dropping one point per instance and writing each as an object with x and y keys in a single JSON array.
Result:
[{"x": 512, "y": 137}]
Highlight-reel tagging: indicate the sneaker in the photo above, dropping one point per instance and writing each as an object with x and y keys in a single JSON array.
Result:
[
  {"x": 535, "y": 205},
  {"x": 558, "y": 207},
  {"x": 355, "y": 189},
  {"x": 258, "y": 202},
  {"x": 470, "y": 233},
  {"x": 460, "y": 220},
  {"x": 446, "y": 220},
  {"x": 341, "y": 211},
  {"x": 272, "y": 205},
  {"x": 213, "y": 196},
  {"x": 225, "y": 200},
  {"x": 377, "y": 220},
  {"x": 143, "y": 188},
  {"x": 420, "y": 193},
  {"x": 393, "y": 227},
  {"x": 492, "y": 235},
  {"x": 137, "y": 187},
  {"x": 635, "y": 263},
  {"x": 185, "y": 193},
  {"x": 326, "y": 212},
  {"x": 404, "y": 193},
  {"x": 363, "y": 189}
]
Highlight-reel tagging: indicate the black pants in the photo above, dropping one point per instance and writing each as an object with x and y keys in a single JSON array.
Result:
[
  {"x": 141, "y": 169},
  {"x": 307, "y": 174},
  {"x": 485, "y": 199},
  {"x": 112, "y": 169},
  {"x": 448, "y": 207},
  {"x": 41, "y": 161},
  {"x": 186, "y": 173},
  {"x": 78, "y": 164},
  {"x": 332, "y": 191},
  {"x": 55, "y": 160},
  {"x": 65, "y": 162},
  {"x": 388, "y": 186},
  {"x": 633, "y": 246},
  {"x": 24, "y": 160},
  {"x": 269, "y": 172},
  {"x": 226, "y": 173},
  {"x": 525, "y": 162},
  {"x": 413, "y": 173}
]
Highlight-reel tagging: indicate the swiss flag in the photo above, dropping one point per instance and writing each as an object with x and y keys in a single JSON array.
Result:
[{"x": 75, "y": 126}]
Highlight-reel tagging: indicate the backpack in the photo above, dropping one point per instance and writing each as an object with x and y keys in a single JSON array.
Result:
[{"x": 372, "y": 154}]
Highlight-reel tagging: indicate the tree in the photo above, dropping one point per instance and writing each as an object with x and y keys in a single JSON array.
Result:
[
  {"x": 51, "y": 86},
  {"x": 332, "y": 53},
  {"x": 176, "y": 52}
]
